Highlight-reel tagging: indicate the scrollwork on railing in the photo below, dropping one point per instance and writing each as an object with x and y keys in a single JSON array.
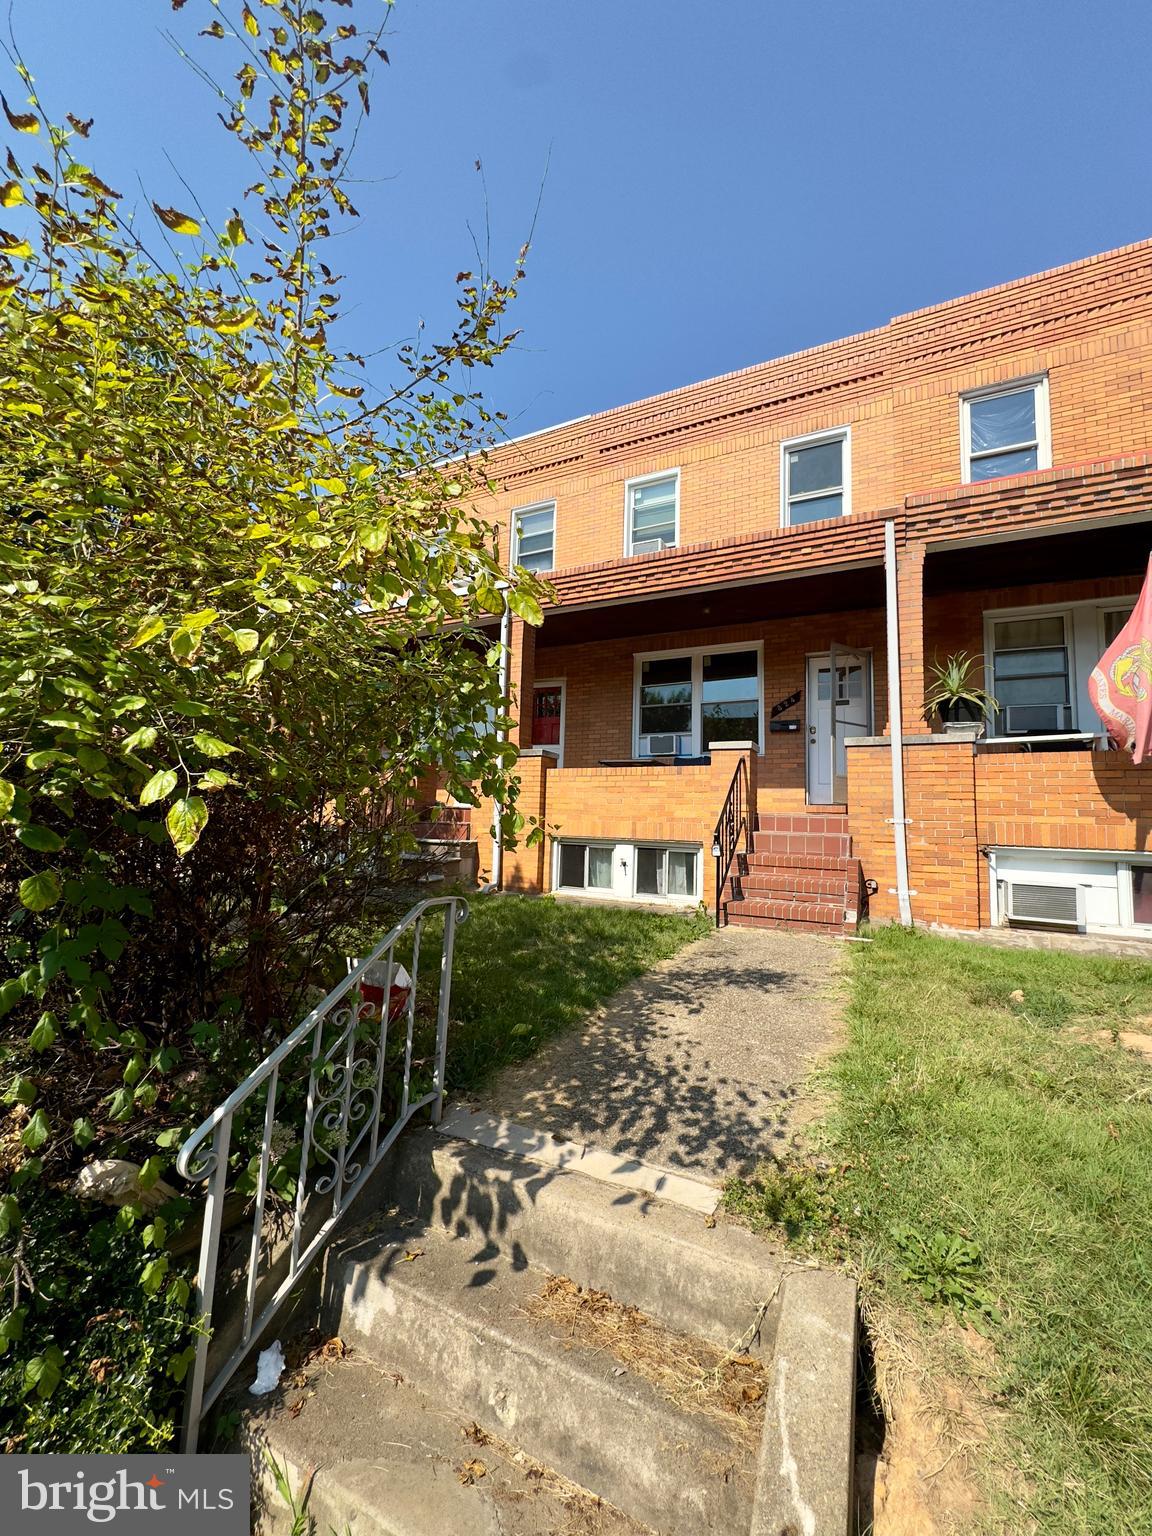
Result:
[{"x": 349, "y": 1121}]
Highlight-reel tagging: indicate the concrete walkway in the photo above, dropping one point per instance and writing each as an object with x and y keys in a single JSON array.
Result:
[{"x": 698, "y": 1065}]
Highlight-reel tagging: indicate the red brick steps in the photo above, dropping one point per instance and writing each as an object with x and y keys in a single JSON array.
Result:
[{"x": 799, "y": 875}]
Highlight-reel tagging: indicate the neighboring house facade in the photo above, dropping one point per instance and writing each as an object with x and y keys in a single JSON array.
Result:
[{"x": 733, "y": 562}]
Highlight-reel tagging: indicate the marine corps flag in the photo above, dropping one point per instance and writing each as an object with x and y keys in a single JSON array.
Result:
[{"x": 1121, "y": 683}]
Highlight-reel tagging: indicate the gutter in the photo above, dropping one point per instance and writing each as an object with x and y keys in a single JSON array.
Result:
[{"x": 896, "y": 727}]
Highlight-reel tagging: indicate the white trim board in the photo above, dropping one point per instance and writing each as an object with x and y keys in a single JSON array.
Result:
[{"x": 542, "y": 1147}]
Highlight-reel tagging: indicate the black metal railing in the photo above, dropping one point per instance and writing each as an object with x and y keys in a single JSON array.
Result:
[{"x": 733, "y": 825}]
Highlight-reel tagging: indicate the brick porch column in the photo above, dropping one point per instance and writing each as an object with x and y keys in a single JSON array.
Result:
[
  {"x": 521, "y": 677},
  {"x": 524, "y": 866},
  {"x": 910, "y": 611}
]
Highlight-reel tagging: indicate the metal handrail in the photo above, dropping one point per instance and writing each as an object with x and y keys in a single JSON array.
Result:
[
  {"x": 733, "y": 821},
  {"x": 341, "y": 1142}
]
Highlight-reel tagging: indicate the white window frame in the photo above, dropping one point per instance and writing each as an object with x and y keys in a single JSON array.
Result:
[
  {"x": 514, "y": 531},
  {"x": 693, "y": 894},
  {"x": 641, "y": 480},
  {"x": 813, "y": 440},
  {"x": 624, "y": 862},
  {"x": 696, "y": 654},
  {"x": 1073, "y": 875},
  {"x": 1084, "y": 641},
  {"x": 1038, "y": 383}
]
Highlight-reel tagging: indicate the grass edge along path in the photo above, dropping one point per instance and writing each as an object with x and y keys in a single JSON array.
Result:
[{"x": 987, "y": 1163}]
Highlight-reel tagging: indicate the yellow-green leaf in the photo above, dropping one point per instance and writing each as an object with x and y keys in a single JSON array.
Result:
[
  {"x": 251, "y": 25},
  {"x": 200, "y": 619},
  {"x": 212, "y": 746},
  {"x": 185, "y": 822},
  {"x": 14, "y": 245},
  {"x": 179, "y": 223},
  {"x": 235, "y": 230},
  {"x": 148, "y": 630},
  {"x": 245, "y": 639},
  {"x": 23, "y": 122},
  {"x": 39, "y": 892},
  {"x": 159, "y": 786},
  {"x": 7, "y": 796},
  {"x": 11, "y": 194},
  {"x": 232, "y": 325}
]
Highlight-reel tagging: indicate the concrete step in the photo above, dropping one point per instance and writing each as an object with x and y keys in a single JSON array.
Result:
[
  {"x": 442, "y": 831},
  {"x": 437, "y": 1310},
  {"x": 378, "y": 1458},
  {"x": 711, "y": 1281}
]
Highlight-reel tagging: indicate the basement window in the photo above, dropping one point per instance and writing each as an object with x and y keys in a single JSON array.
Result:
[
  {"x": 666, "y": 872},
  {"x": 626, "y": 871},
  {"x": 585, "y": 866}
]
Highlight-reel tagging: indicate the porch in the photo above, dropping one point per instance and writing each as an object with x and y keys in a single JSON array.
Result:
[{"x": 632, "y": 710}]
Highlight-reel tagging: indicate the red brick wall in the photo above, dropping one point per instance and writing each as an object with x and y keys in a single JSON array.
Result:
[
  {"x": 1063, "y": 800},
  {"x": 599, "y": 679},
  {"x": 1088, "y": 325},
  {"x": 958, "y": 802},
  {"x": 648, "y": 804},
  {"x": 945, "y": 869}
]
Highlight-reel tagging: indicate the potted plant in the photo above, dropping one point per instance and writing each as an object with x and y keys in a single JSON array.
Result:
[{"x": 955, "y": 694}]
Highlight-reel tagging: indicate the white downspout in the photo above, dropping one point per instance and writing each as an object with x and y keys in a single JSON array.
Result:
[
  {"x": 502, "y": 735},
  {"x": 896, "y": 727}
]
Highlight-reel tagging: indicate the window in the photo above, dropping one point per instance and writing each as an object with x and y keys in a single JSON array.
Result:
[
  {"x": 666, "y": 872},
  {"x": 1005, "y": 431},
  {"x": 585, "y": 866},
  {"x": 1039, "y": 661},
  {"x": 815, "y": 477},
  {"x": 652, "y": 513},
  {"x": 626, "y": 872},
  {"x": 686, "y": 702},
  {"x": 1030, "y": 676},
  {"x": 666, "y": 704},
  {"x": 534, "y": 536},
  {"x": 730, "y": 697}
]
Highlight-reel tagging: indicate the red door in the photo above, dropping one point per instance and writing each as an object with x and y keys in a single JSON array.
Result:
[{"x": 547, "y": 704}]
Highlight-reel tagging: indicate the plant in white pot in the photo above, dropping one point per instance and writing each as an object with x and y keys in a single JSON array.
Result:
[{"x": 955, "y": 694}]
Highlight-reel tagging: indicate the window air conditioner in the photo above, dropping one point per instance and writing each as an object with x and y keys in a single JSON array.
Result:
[
  {"x": 649, "y": 546},
  {"x": 1056, "y": 906},
  {"x": 1035, "y": 719},
  {"x": 667, "y": 744}
]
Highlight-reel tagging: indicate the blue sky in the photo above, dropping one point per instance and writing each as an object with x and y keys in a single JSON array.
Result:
[{"x": 726, "y": 182}]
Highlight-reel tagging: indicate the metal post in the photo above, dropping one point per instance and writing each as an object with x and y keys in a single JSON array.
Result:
[
  {"x": 205, "y": 1284},
  {"x": 896, "y": 726},
  {"x": 442, "y": 1011}
]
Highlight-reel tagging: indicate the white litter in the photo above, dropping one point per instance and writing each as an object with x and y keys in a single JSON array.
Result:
[{"x": 269, "y": 1365}]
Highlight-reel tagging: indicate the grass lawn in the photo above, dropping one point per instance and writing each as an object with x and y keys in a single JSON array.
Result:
[
  {"x": 526, "y": 968},
  {"x": 990, "y": 1163}
]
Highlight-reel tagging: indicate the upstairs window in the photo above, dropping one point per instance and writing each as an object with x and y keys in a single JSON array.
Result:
[
  {"x": 652, "y": 513},
  {"x": 534, "y": 536},
  {"x": 1005, "y": 431},
  {"x": 815, "y": 478}
]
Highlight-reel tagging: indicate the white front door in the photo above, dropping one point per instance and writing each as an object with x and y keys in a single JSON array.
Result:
[{"x": 833, "y": 715}]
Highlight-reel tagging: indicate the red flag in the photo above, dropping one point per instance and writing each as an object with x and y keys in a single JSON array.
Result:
[{"x": 1121, "y": 683}]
